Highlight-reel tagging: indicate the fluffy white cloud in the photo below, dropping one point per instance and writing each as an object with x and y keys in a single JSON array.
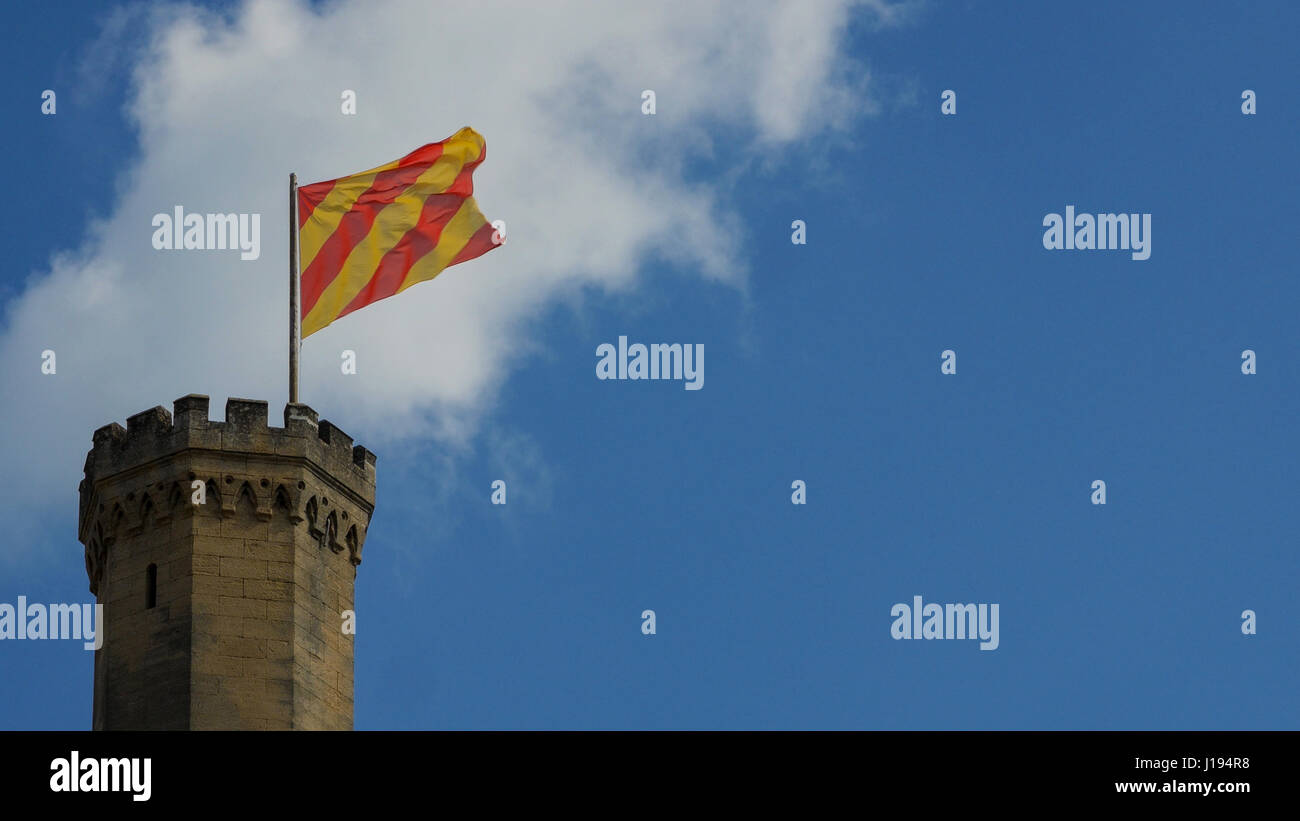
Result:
[{"x": 226, "y": 105}]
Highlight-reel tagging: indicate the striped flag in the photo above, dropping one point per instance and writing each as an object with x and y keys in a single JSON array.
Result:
[{"x": 371, "y": 235}]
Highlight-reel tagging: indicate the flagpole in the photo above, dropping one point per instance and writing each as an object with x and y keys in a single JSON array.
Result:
[{"x": 295, "y": 328}]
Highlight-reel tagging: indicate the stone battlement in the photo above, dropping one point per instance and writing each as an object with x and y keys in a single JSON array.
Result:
[{"x": 156, "y": 434}]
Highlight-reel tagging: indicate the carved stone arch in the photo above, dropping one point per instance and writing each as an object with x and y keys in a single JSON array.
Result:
[
  {"x": 174, "y": 496},
  {"x": 116, "y": 523},
  {"x": 95, "y": 557},
  {"x": 354, "y": 541},
  {"x": 147, "y": 510},
  {"x": 136, "y": 510},
  {"x": 212, "y": 496},
  {"x": 281, "y": 501},
  {"x": 330, "y": 537},
  {"x": 246, "y": 492},
  {"x": 313, "y": 519},
  {"x": 294, "y": 494}
]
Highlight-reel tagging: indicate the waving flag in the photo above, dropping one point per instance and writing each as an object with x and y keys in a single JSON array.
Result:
[{"x": 371, "y": 235}]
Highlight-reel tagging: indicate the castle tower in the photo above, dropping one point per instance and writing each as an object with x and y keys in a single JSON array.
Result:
[{"x": 224, "y": 554}]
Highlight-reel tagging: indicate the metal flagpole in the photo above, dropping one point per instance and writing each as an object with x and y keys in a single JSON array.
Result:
[{"x": 295, "y": 327}]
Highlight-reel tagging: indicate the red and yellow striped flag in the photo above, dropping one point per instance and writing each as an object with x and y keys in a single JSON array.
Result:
[{"x": 371, "y": 235}]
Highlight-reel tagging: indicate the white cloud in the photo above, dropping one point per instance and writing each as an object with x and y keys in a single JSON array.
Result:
[{"x": 226, "y": 105}]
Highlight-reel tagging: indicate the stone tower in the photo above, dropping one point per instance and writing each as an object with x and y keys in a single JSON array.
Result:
[{"x": 224, "y": 554}]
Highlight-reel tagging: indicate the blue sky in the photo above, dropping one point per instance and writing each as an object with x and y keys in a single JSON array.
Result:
[{"x": 822, "y": 364}]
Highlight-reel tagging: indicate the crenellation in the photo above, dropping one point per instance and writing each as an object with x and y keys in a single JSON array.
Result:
[
  {"x": 300, "y": 419},
  {"x": 190, "y": 412},
  {"x": 156, "y": 421},
  {"x": 109, "y": 435},
  {"x": 331, "y": 435},
  {"x": 247, "y": 415},
  {"x": 156, "y": 434}
]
